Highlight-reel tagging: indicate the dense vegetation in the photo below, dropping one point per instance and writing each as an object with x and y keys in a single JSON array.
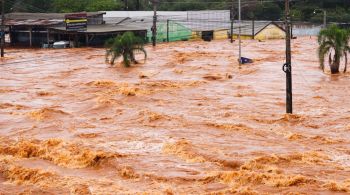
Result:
[{"x": 302, "y": 10}]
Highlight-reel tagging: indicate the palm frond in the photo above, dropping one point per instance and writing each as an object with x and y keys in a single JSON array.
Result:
[{"x": 142, "y": 50}]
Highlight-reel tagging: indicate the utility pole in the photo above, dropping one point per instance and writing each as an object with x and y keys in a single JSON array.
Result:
[
  {"x": 239, "y": 32},
  {"x": 324, "y": 19},
  {"x": 253, "y": 28},
  {"x": 287, "y": 67},
  {"x": 154, "y": 27},
  {"x": 324, "y": 16},
  {"x": 3, "y": 28},
  {"x": 138, "y": 5},
  {"x": 126, "y": 5},
  {"x": 167, "y": 30},
  {"x": 232, "y": 18}
]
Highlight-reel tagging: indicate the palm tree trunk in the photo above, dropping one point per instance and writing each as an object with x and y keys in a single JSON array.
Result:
[
  {"x": 329, "y": 61},
  {"x": 132, "y": 57},
  {"x": 126, "y": 59},
  {"x": 335, "y": 65},
  {"x": 346, "y": 62}
]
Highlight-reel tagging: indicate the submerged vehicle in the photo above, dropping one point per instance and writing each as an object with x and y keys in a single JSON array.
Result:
[{"x": 61, "y": 45}]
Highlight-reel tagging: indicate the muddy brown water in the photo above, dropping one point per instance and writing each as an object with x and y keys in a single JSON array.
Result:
[{"x": 187, "y": 121}]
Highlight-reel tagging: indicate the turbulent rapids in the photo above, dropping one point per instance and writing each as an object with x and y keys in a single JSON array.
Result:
[{"x": 187, "y": 121}]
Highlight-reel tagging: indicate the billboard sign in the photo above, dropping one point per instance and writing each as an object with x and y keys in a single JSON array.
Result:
[{"x": 76, "y": 22}]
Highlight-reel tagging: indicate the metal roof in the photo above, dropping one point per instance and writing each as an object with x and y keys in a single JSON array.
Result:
[
  {"x": 137, "y": 14},
  {"x": 40, "y": 19},
  {"x": 105, "y": 28},
  {"x": 31, "y": 22},
  {"x": 180, "y": 15},
  {"x": 115, "y": 20}
]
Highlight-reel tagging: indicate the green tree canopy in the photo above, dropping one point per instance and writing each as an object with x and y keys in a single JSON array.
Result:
[{"x": 337, "y": 10}]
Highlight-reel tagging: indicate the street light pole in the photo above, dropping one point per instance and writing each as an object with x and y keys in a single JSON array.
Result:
[
  {"x": 324, "y": 16},
  {"x": 287, "y": 67},
  {"x": 239, "y": 32}
]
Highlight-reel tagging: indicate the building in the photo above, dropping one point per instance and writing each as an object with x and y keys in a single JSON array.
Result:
[
  {"x": 36, "y": 29},
  {"x": 207, "y": 25},
  {"x": 178, "y": 25},
  {"x": 216, "y": 30},
  {"x": 260, "y": 30},
  {"x": 167, "y": 31}
]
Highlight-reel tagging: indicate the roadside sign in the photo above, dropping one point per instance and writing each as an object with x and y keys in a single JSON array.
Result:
[{"x": 76, "y": 22}]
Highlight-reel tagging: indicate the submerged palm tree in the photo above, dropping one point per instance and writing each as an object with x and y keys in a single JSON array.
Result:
[
  {"x": 334, "y": 42},
  {"x": 124, "y": 46}
]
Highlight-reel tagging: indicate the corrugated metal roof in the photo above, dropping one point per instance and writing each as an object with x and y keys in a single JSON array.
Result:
[
  {"x": 39, "y": 19},
  {"x": 106, "y": 28},
  {"x": 184, "y": 15},
  {"x": 31, "y": 22},
  {"x": 115, "y": 20},
  {"x": 137, "y": 14}
]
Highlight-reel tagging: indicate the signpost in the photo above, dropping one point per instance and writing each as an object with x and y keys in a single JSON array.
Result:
[{"x": 76, "y": 22}]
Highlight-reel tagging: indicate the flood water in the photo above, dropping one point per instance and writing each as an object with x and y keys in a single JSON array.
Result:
[{"x": 187, "y": 121}]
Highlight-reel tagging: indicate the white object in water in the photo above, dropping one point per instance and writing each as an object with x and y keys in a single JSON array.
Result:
[{"x": 61, "y": 44}]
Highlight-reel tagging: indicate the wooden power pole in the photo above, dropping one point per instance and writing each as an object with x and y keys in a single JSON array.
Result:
[
  {"x": 239, "y": 32},
  {"x": 287, "y": 67},
  {"x": 2, "y": 28}
]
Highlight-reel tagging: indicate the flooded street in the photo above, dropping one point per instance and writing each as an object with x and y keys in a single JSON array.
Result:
[{"x": 187, "y": 121}]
